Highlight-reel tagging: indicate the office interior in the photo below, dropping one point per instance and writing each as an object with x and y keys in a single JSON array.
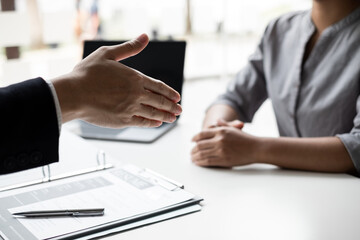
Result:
[{"x": 45, "y": 38}]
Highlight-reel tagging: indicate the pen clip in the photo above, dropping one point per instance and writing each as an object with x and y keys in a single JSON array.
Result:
[{"x": 88, "y": 212}]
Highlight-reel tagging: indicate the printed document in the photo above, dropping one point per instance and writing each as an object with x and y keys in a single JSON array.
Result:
[{"x": 123, "y": 192}]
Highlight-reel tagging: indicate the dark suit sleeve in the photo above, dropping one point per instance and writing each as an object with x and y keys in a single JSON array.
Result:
[{"x": 28, "y": 126}]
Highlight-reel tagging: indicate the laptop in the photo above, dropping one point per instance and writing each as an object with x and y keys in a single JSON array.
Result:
[{"x": 163, "y": 60}]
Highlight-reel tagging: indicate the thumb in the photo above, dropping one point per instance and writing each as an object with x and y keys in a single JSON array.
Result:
[
  {"x": 222, "y": 123},
  {"x": 129, "y": 48},
  {"x": 237, "y": 124}
]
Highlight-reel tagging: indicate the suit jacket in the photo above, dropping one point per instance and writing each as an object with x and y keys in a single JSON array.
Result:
[{"x": 29, "y": 132}]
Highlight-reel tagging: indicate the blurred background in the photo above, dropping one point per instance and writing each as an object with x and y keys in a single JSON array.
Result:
[{"x": 44, "y": 38}]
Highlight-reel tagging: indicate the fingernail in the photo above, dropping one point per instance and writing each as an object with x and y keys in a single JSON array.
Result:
[
  {"x": 143, "y": 38},
  {"x": 172, "y": 118},
  {"x": 178, "y": 110},
  {"x": 159, "y": 123},
  {"x": 177, "y": 98}
]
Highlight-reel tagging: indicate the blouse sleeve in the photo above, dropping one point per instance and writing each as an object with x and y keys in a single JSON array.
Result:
[
  {"x": 351, "y": 140},
  {"x": 247, "y": 91}
]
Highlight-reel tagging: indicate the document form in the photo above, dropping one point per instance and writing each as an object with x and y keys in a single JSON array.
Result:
[{"x": 123, "y": 192}]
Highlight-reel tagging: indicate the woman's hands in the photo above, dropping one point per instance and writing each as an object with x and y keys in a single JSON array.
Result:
[{"x": 224, "y": 145}]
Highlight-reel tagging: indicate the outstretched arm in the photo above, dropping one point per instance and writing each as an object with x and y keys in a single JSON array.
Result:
[{"x": 99, "y": 90}]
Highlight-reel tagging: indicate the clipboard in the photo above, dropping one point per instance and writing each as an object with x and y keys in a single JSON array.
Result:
[{"x": 130, "y": 176}]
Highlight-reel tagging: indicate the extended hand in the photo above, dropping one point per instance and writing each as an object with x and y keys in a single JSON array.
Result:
[
  {"x": 223, "y": 147},
  {"x": 104, "y": 92}
]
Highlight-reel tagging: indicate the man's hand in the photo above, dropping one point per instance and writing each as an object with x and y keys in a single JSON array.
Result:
[
  {"x": 225, "y": 146},
  {"x": 102, "y": 91}
]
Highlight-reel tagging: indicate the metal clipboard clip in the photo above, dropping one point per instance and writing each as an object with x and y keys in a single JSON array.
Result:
[
  {"x": 160, "y": 180},
  {"x": 47, "y": 177}
]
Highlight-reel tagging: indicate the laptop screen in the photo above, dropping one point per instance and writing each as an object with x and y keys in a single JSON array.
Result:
[{"x": 162, "y": 60}]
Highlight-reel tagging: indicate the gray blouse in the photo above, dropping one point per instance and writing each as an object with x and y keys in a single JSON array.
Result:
[{"x": 318, "y": 98}]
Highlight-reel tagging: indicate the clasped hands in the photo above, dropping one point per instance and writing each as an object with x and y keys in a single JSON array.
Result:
[{"x": 224, "y": 144}]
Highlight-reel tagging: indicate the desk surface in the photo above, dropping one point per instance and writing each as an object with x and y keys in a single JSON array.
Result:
[{"x": 252, "y": 202}]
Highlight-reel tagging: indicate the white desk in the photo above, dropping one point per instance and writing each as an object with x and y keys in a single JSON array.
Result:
[{"x": 253, "y": 202}]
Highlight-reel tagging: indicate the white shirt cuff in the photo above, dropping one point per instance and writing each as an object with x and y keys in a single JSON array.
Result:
[{"x": 57, "y": 105}]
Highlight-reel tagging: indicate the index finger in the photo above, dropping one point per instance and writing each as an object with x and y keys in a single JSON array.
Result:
[{"x": 161, "y": 88}]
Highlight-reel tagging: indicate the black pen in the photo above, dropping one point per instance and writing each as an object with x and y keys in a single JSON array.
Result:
[{"x": 60, "y": 213}]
